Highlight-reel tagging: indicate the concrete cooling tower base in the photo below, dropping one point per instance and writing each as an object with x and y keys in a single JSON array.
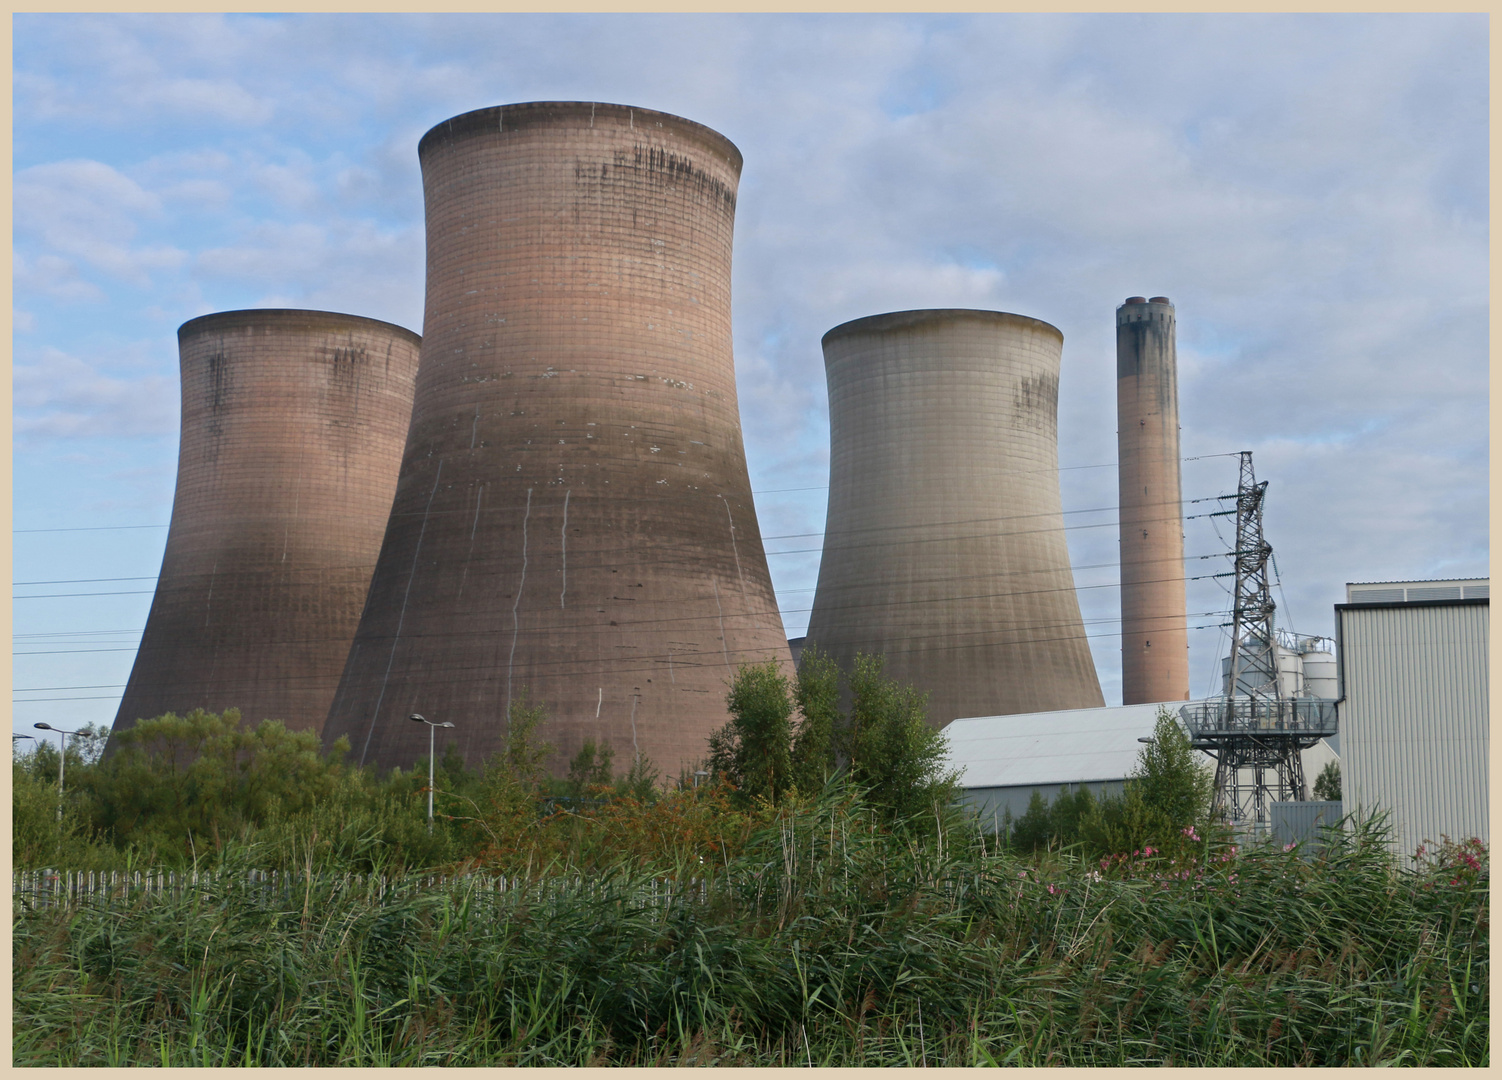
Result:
[
  {"x": 574, "y": 518},
  {"x": 292, "y": 429},
  {"x": 944, "y": 546}
]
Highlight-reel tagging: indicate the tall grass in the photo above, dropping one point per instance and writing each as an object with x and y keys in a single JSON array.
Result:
[{"x": 825, "y": 939}]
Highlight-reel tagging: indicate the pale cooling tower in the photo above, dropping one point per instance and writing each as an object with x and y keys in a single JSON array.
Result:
[
  {"x": 1154, "y": 634},
  {"x": 574, "y": 518},
  {"x": 292, "y": 431},
  {"x": 944, "y": 544}
]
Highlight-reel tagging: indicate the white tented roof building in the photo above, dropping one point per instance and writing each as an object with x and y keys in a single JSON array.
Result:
[{"x": 1002, "y": 760}]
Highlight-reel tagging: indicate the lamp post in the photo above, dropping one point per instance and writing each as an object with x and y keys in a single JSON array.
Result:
[
  {"x": 432, "y": 736},
  {"x": 62, "y": 754}
]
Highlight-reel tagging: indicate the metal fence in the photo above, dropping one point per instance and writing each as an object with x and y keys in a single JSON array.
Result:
[{"x": 57, "y": 888}]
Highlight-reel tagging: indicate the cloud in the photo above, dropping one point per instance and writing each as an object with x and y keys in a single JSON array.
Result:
[
  {"x": 115, "y": 70},
  {"x": 59, "y": 396},
  {"x": 342, "y": 265},
  {"x": 1311, "y": 190},
  {"x": 86, "y": 212}
]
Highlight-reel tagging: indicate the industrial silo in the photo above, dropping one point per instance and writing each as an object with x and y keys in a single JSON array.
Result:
[
  {"x": 944, "y": 544},
  {"x": 1154, "y": 633},
  {"x": 292, "y": 430},
  {"x": 573, "y": 521}
]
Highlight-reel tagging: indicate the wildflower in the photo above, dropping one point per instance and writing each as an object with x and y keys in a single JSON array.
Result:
[{"x": 1290, "y": 845}]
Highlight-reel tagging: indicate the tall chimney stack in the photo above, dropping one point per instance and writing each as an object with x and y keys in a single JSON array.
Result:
[{"x": 1154, "y": 638}]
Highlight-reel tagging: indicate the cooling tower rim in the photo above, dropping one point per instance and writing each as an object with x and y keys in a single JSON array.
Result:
[
  {"x": 522, "y": 114},
  {"x": 287, "y": 317},
  {"x": 903, "y": 320}
]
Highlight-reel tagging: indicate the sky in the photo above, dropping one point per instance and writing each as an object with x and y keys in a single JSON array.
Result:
[{"x": 1310, "y": 190}]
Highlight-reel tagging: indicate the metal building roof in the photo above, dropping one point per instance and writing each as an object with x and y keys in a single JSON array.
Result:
[{"x": 1048, "y": 749}]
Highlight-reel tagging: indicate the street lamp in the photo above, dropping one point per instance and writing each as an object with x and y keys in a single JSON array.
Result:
[
  {"x": 62, "y": 754},
  {"x": 432, "y": 735}
]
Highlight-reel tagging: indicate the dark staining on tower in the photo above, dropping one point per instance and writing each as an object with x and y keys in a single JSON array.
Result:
[
  {"x": 1036, "y": 401},
  {"x": 346, "y": 364},
  {"x": 219, "y": 388},
  {"x": 657, "y": 164}
]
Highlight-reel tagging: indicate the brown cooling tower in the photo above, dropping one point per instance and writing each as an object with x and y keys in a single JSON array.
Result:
[
  {"x": 944, "y": 544},
  {"x": 292, "y": 432},
  {"x": 574, "y": 517},
  {"x": 1154, "y": 636}
]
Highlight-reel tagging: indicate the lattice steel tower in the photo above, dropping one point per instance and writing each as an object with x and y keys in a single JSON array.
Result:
[{"x": 1258, "y": 727}]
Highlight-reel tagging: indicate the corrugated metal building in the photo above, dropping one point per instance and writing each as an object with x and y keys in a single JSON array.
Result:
[
  {"x": 1413, "y": 709},
  {"x": 1002, "y": 760}
]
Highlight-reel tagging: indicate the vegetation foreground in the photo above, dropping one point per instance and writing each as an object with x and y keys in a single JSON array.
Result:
[
  {"x": 826, "y": 939},
  {"x": 811, "y": 897}
]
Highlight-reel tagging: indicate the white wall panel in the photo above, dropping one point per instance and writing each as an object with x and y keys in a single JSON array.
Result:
[{"x": 1414, "y": 722}]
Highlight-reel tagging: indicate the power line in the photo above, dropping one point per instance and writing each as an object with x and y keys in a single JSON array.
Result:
[
  {"x": 448, "y": 673},
  {"x": 836, "y": 547},
  {"x": 765, "y": 491},
  {"x": 947, "y": 578},
  {"x": 676, "y": 602},
  {"x": 86, "y": 580}
]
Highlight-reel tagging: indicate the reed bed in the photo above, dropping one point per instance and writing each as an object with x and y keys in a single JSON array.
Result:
[{"x": 827, "y": 939}]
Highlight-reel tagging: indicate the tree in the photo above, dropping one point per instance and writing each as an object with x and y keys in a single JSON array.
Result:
[
  {"x": 1327, "y": 783},
  {"x": 203, "y": 776},
  {"x": 591, "y": 767},
  {"x": 1170, "y": 777},
  {"x": 893, "y": 752},
  {"x": 1032, "y": 830},
  {"x": 525, "y": 751},
  {"x": 816, "y": 692},
  {"x": 1060, "y": 822},
  {"x": 753, "y": 752},
  {"x": 1168, "y": 791}
]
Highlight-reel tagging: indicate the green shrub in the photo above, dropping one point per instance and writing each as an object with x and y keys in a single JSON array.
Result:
[
  {"x": 1327, "y": 783},
  {"x": 753, "y": 751}
]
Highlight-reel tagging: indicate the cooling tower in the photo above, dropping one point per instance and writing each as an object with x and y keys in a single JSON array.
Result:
[
  {"x": 1154, "y": 635},
  {"x": 574, "y": 519},
  {"x": 944, "y": 545},
  {"x": 292, "y": 431}
]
